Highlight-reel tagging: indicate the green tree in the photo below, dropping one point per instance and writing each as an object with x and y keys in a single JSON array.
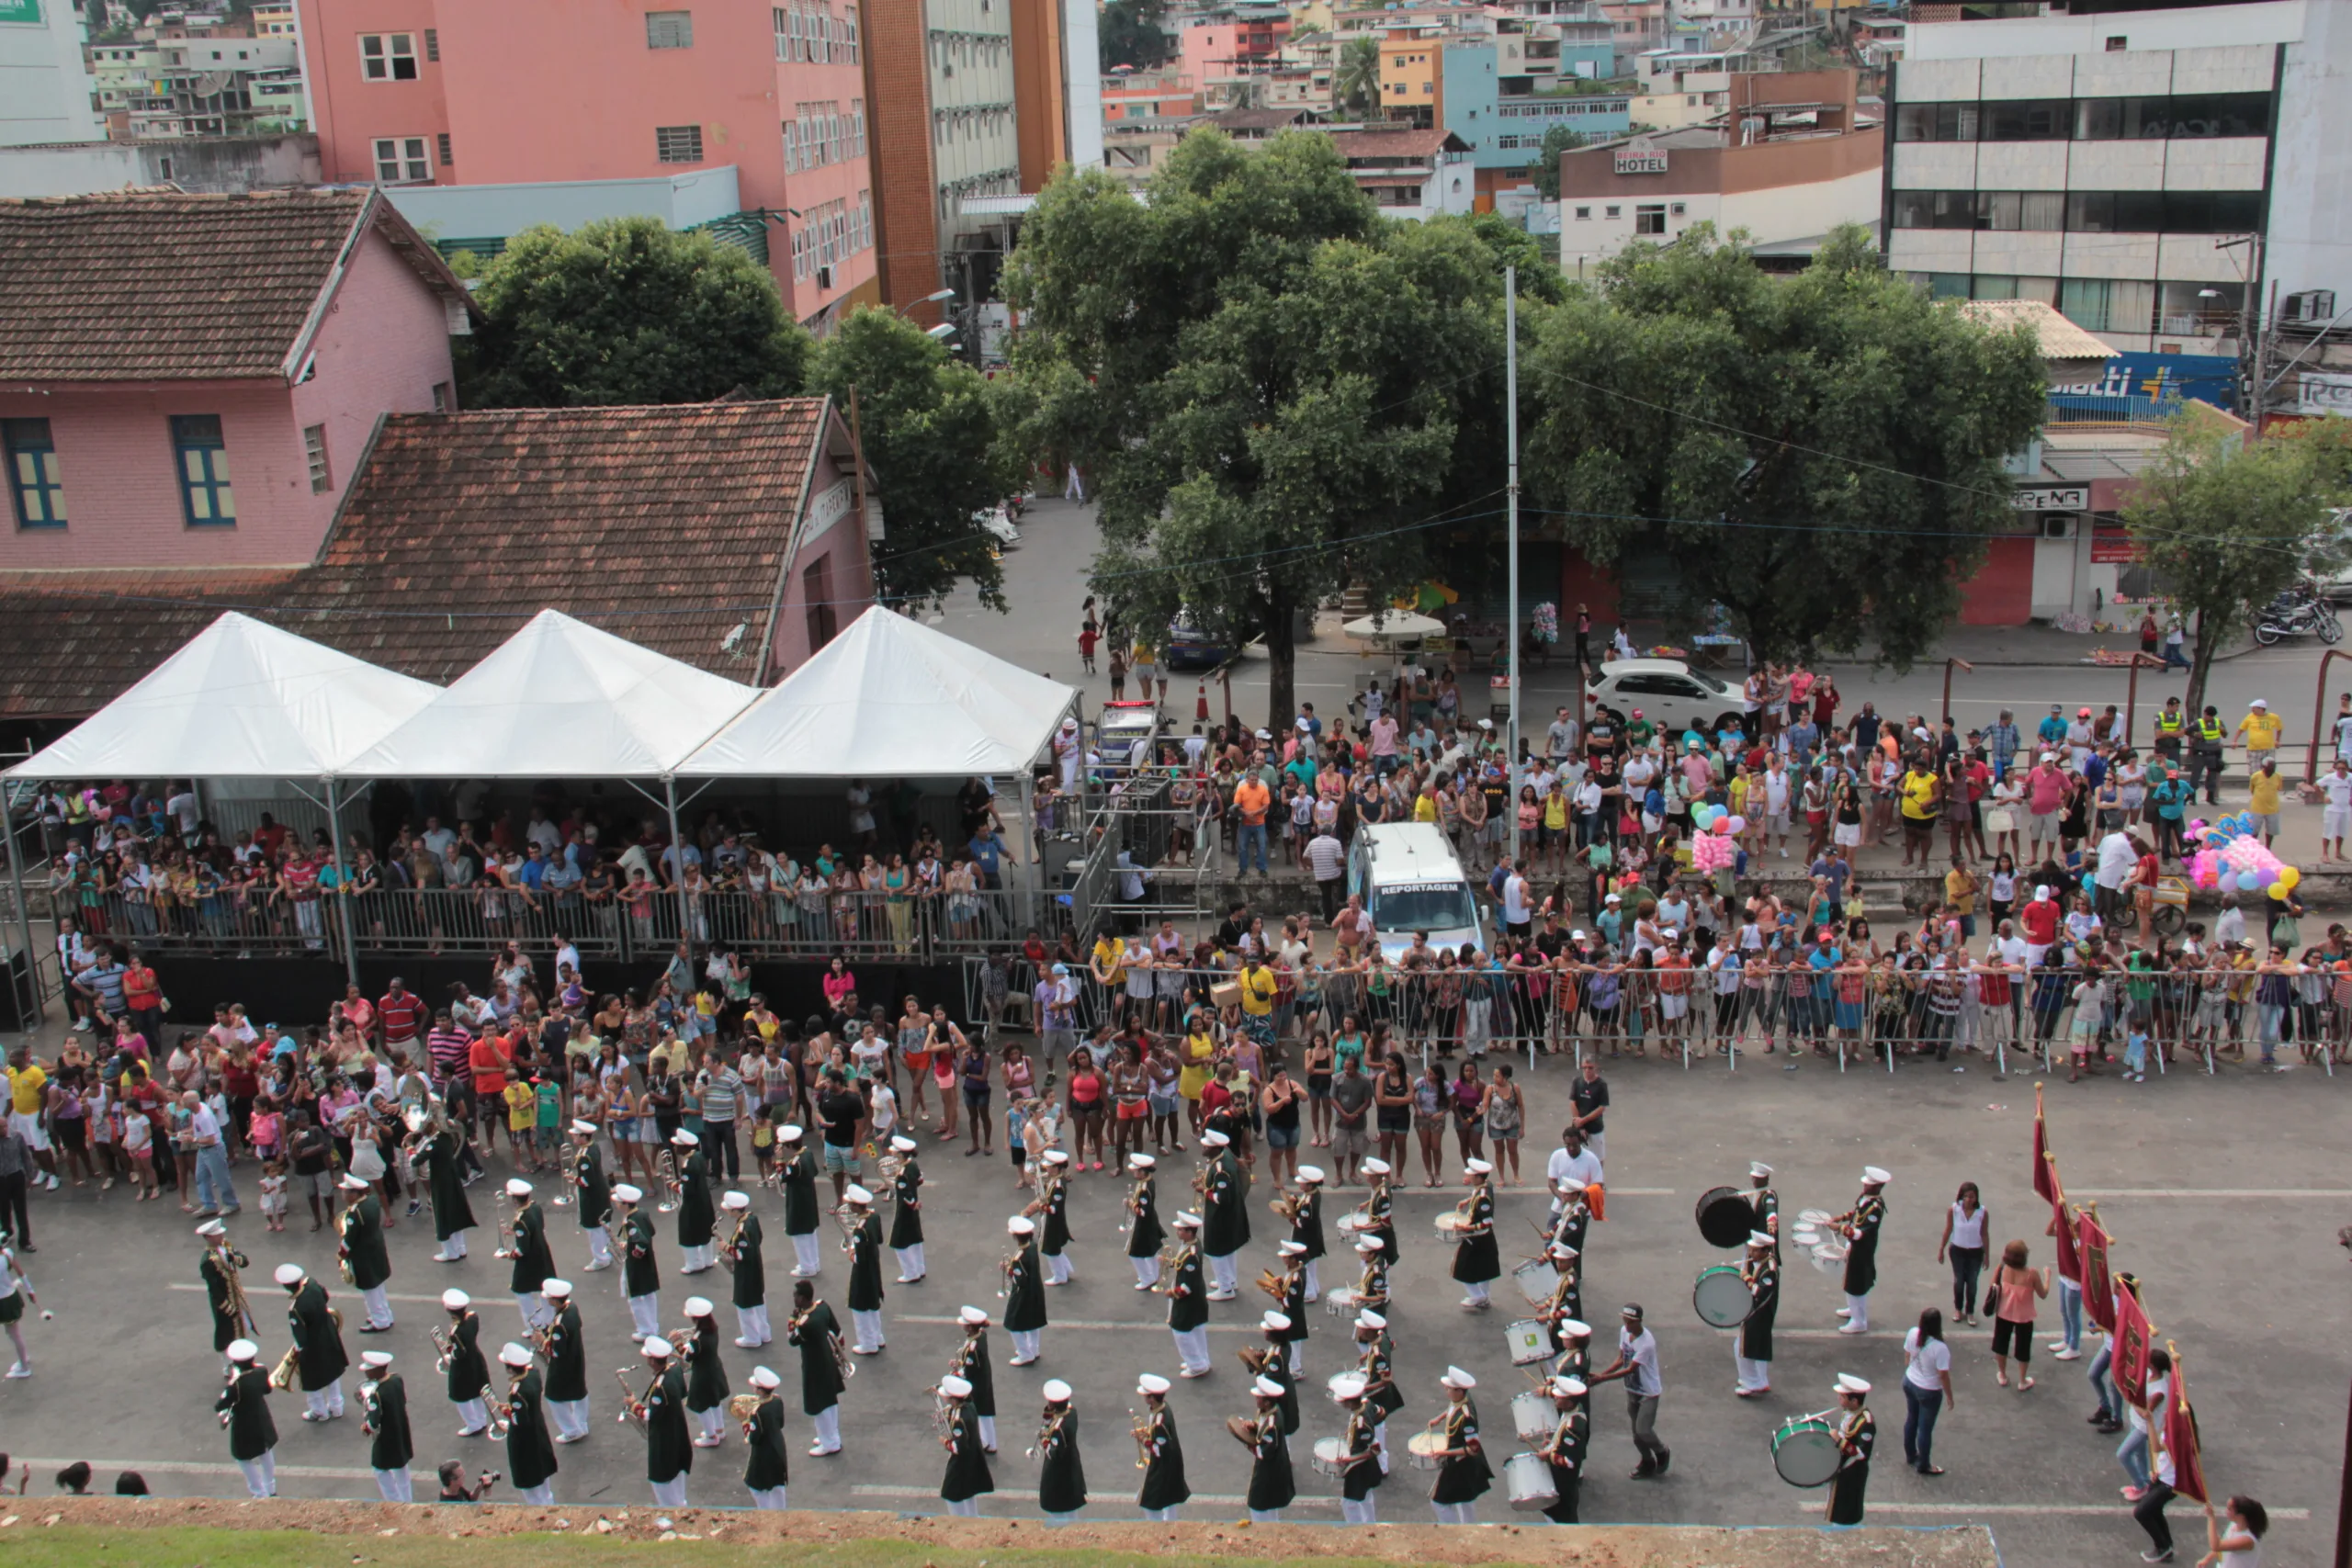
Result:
[
  {"x": 1276, "y": 390},
  {"x": 1559, "y": 139},
  {"x": 930, "y": 435},
  {"x": 625, "y": 310},
  {"x": 2230, "y": 523},
  {"x": 1129, "y": 34},
  {"x": 1355, "y": 81},
  {"x": 1823, "y": 456}
]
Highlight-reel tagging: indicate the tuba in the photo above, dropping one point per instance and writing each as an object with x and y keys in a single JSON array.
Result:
[{"x": 287, "y": 1369}]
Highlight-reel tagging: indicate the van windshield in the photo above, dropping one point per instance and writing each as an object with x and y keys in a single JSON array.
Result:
[{"x": 1425, "y": 908}]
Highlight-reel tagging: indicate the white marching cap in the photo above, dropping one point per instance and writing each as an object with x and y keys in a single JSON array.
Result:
[
  {"x": 904, "y": 1144},
  {"x": 1276, "y": 1322},
  {"x": 953, "y": 1387},
  {"x": 1375, "y": 1168},
  {"x": 242, "y": 1350},
  {"x": 1291, "y": 1248},
  {"x": 1478, "y": 1167},
  {"x": 971, "y": 1315},
  {"x": 1141, "y": 1162},
  {"x": 1874, "y": 1176},
  {"x": 1367, "y": 1243},
  {"x": 518, "y": 1188},
  {"x": 351, "y": 1183},
  {"x": 1213, "y": 1139},
  {"x": 456, "y": 1299},
  {"x": 1571, "y": 1183},
  {"x": 1188, "y": 1219},
  {"x": 856, "y": 1194},
  {"x": 554, "y": 1289},
  {"x": 583, "y": 1128},
  {"x": 699, "y": 1306},
  {"x": 1055, "y": 1157},
  {"x": 1308, "y": 1174},
  {"x": 1848, "y": 1384},
  {"x": 733, "y": 1200},
  {"x": 1370, "y": 1319},
  {"x": 1056, "y": 1391},
  {"x": 290, "y": 1274},
  {"x": 211, "y": 1230},
  {"x": 1153, "y": 1382},
  {"x": 1561, "y": 1250},
  {"x": 1454, "y": 1377},
  {"x": 790, "y": 1132},
  {"x": 684, "y": 1139},
  {"x": 1759, "y": 1238},
  {"x": 1759, "y": 1169},
  {"x": 1266, "y": 1388},
  {"x": 1021, "y": 1225},
  {"x": 1568, "y": 1388},
  {"x": 374, "y": 1358},
  {"x": 763, "y": 1377},
  {"x": 1347, "y": 1386},
  {"x": 628, "y": 1193},
  {"x": 513, "y": 1355},
  {"x": 1573, "y": 1328},
  {"x": 656, "y": 1346}
]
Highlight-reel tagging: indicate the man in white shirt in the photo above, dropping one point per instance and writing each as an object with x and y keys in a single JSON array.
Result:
[
  {"x": 1776, "y": 803},
  {"x": 2229, "y": 926},
  {"x": 436, "y": 837},
  {"x": 1580, "y": 1166},
  {"x": 2117, "y": 857},
  {"x": 2336, "y": 786},
  {"x": 216, "y": 1195},
  {"x": 1516, "y": 919},
  {"x": 1645, "y": 1386},
  {"x": 1560, "y": 738},
  {"x": 1327, "y": 858}
]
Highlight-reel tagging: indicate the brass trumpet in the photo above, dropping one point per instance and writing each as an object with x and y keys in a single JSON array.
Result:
[
  {"x": 1047, "y": 1434},
  {"x": 287, "y": 1369},
  {"x": 501, "y": 1416}
]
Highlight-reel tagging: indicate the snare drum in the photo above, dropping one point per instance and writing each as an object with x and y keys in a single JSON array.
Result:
[
  {"x": 1450, "y": 1226},
  {"x": 1533, "y": 1416},
  {"x": 1330, "y": 1457},
  {"x": 1818, "y": 1217},
  {"x": 1805, "y": 1237},
  {"x": 1422, "y": 1448},
  {"x": 1535, "y": 1278},
  {"x": 1528, "y": 1478},
  {"x": 1527, "y": 1341},
  {"x": 1830, "y": 1257},
  {"x": 1804, "y": 1450},
  {"x": 1349, "y": 1223},
  {"x": 1721, "y": 1297},
  {"x": 1340, "y": 1303}
]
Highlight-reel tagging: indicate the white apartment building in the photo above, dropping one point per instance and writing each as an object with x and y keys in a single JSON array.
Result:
[
  {"x": 976, "y": 145},
  {"x": 44, "y": 91},
  {"x": 2157, "y": 175}
]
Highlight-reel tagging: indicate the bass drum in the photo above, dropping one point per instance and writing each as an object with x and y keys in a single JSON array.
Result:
[
  {"x": 1804, "y": 1450},
  {"x": 1721, "y": 1297},
  {"x": 1724, "y": 1217},
  {"x": 1528, "y": 1478}
]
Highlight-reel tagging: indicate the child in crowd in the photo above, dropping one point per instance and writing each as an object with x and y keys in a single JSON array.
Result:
[
  {"x": 2135, "y": 1055},
  {"x": 139, "y": 1147},
  {"x": 273, "y": 1193}
]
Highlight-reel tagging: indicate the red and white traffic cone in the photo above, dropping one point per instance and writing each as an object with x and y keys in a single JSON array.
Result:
[{"x": 1201, "y": 702}]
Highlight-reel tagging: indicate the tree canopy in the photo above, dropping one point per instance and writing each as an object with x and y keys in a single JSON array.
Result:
[
  {"x": 1274, "y": 388},
  {"x": 1129, "y": 34},
  {"x": 930, "y": 435},
  {"x": 1821, "y": 454},
  {"x": 625, "y": 310},
  {"x": 1557, "y": 140}
]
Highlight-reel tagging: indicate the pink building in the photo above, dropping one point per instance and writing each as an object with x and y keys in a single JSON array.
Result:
[
  {"x": 190, "y": 381},
  {"x": 530, "y": 91}
]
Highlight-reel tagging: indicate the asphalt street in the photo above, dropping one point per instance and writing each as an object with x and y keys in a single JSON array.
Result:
[{"x": 2224, "y": 1195}]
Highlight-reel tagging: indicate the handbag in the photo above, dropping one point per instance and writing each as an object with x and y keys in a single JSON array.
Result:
[{"x": 2000, "y": 820}]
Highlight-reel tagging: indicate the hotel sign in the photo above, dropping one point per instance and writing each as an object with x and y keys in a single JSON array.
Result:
[{"x": 1640, "y": 160}]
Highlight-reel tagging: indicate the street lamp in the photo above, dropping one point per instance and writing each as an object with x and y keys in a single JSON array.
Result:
[{"x": 941, "y": 333}]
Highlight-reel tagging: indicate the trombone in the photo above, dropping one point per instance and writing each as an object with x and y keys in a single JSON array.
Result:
[
  {"x": 501, "y": 1416},
  {"x": 444, "y": 1349},
  {"x": 665, "y": 1171},
  {"x": 567, "y": 1161},
  {"x": 505, "y": 1248}
]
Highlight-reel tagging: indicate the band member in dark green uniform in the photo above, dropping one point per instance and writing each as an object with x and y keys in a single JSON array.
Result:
[
  {"x": 1857, "y": 1435},
  {"x": 530, "y": 1455},
  {"x": 1188, "y": 1298},
  {"x": 361, "y": 1228},
  {"x": 1051, "y": 1211},
  {"x": 1477, "y": 1261},
  {"x": 243, "y": 1407},
  {"x": 864, "y": 1249},
  {"x": 566, "y": 1349},
  {"x": 1145, "y": 1235},
  {"x": 1564, "y": 1451},
  {"x": 1061, "y": 1474},
  {"x": 1463, "y": 1473},
  {"x": 1752, "y": 1353},
  {"x": 1293, "y": 1306},
  {"x": 1380, "y": 1208},
  {"x": 1225, "y": 1203},
  {"x": 968, "y": 1479},
  {"x": 318, "y": 1343},
  {"x": 640, "y": 1270},
  {"x": 661, "y": 1411},
  {"x": 1765, "y": 1201},
  {"x": 1376, "y": 1359},
  {"x": 444, "y": 1183},
  {"x": 1307, "y": 1226},
  {"x": 1861, "y": 1225},
  {"x": 1270, "y": 1485},
  {"x": 1361, "y": 1474},
  {"x": 232, "y": 1317},
  {"x": 823, "y": 1364},
  {"x": 766, "y": 1470},
  {"x": 797, "y": 1178},
  {"x": 971, "y": 1364},
  {"x": 383, "y": 1420},
  {"x": 905, "y": 1213},
  {"x": 1270, "y": 1364},
  {"x": 1025, "y": 1293},
  {"x": 1164, "y": 1489},
  {"x": 1567, "y": 1300},
  {"x": 706, "y": 1375},
  {"x": 697, "y": 1219},
  {"x": 534, "y": 1259},
  {"x": 592, "y": 1202},
  {"x": 740, "y": 1253}
]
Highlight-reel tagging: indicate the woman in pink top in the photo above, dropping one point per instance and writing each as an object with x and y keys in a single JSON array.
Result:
[
  {"x": 838, "y": 982},
  {"x": 2013, "y": 1289}
]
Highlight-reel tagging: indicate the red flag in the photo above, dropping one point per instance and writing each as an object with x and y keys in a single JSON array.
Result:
[
  {"x": 2099, "y": 1289},
  {"x": 2062, "y": 1229},
  {"x": 2045, "y": 1166},
  {"x": 2134, "y": 1339},
  {"x": 2180, "y": 1439}
]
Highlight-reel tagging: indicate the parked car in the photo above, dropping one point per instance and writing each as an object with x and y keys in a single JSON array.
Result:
[
  {"x": 999, "y": 525},
  {"x": 1191, "y": 649},
  {"x": 1669, "y": 692}
]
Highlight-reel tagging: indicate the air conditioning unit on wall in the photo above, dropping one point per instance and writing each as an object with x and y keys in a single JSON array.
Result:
[{"x": 2057, "y": 525}]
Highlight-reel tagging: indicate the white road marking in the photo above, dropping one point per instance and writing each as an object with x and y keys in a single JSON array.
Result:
[
  {"x": 2068, "y": 1510},
  {"x": 1097, "y": 1324},
  {"x": 2208, "y": 1192}
]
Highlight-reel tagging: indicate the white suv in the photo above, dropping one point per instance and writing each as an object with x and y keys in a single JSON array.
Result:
[{"x": 1669, "y": 692}]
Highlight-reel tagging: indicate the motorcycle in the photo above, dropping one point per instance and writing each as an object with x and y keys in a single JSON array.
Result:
[{"x": 2298, "y": 614}]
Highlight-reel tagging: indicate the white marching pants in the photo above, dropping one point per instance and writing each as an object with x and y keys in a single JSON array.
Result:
[
  {"x": 599, "y": 1246},
  {"x": 543, "y": 1494},
  {"x": 380, "y": 1306},
  {"x": 698, "y": 1260},
  {"x": 473, "y": 1417},
  {"x": 1223, "y": 1274},
  {"x": 1026, "y": 1343},
  {"x": 1455, "y": 1513},
  {"x": 1265, "y": 1516},
  {"x": 533, "y": 1307},
  {"x": 1755, "y": 1377},
  {"x": 1192, "y": 1349},
  {"x": 751, "y": 1324},
  {"x": 969, "y": 1508},
  {"x": 325, "y": 1403},
  {"x": 261, "y": 1474},
  {"x": 1475, "y": 1290},
  {"x": 806, "y": 1263},
  {"x": 1380, "y": 1441},
  {"x": 1359, "y": 1513},
  {"x": 868, "y": 1327},
  {"x": 711, "y": 1422},
  {"x": 1147, "y": 1274},
  {"x": 828, "y": 1426},
  {"x": 910, "y": 1265},
  {"x": 671, "y": 1494},
  {"x": 1160, "y": 1516},
  {"x": 392, "y": 1486},
  {"x": 771, "y": 1501},
  {"x": 645, "y": 1315},
  {"x": 1060, "y": 1521},
  {"x": 1315, "y": 1290},
  {"x": 569, "y": 1416},
  {"x": 454, "y": 1248},
  {"x": 988, "y": 1433},
  {"x": 1858, "y": 1313},
  {"x": 1056, "y": 1271}
]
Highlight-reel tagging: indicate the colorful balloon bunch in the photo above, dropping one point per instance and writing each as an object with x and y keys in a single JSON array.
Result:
[
  {"x": 2232, "y": 856},
  {"x": 1712, "y": 849}
]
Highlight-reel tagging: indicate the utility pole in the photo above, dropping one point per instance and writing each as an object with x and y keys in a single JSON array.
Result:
[{"x": 1510, "y": 609}]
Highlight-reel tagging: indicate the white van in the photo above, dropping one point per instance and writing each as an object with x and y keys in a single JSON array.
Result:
[{"x": 1410, "y": 882}]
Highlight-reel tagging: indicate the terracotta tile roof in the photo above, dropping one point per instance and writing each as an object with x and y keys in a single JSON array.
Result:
[
  {"x": 73, "y": 641},
  {"x": 1401, "y": 143},
  {"x": 141, "y": 285},
  {"x": 665, "y": 525}
]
